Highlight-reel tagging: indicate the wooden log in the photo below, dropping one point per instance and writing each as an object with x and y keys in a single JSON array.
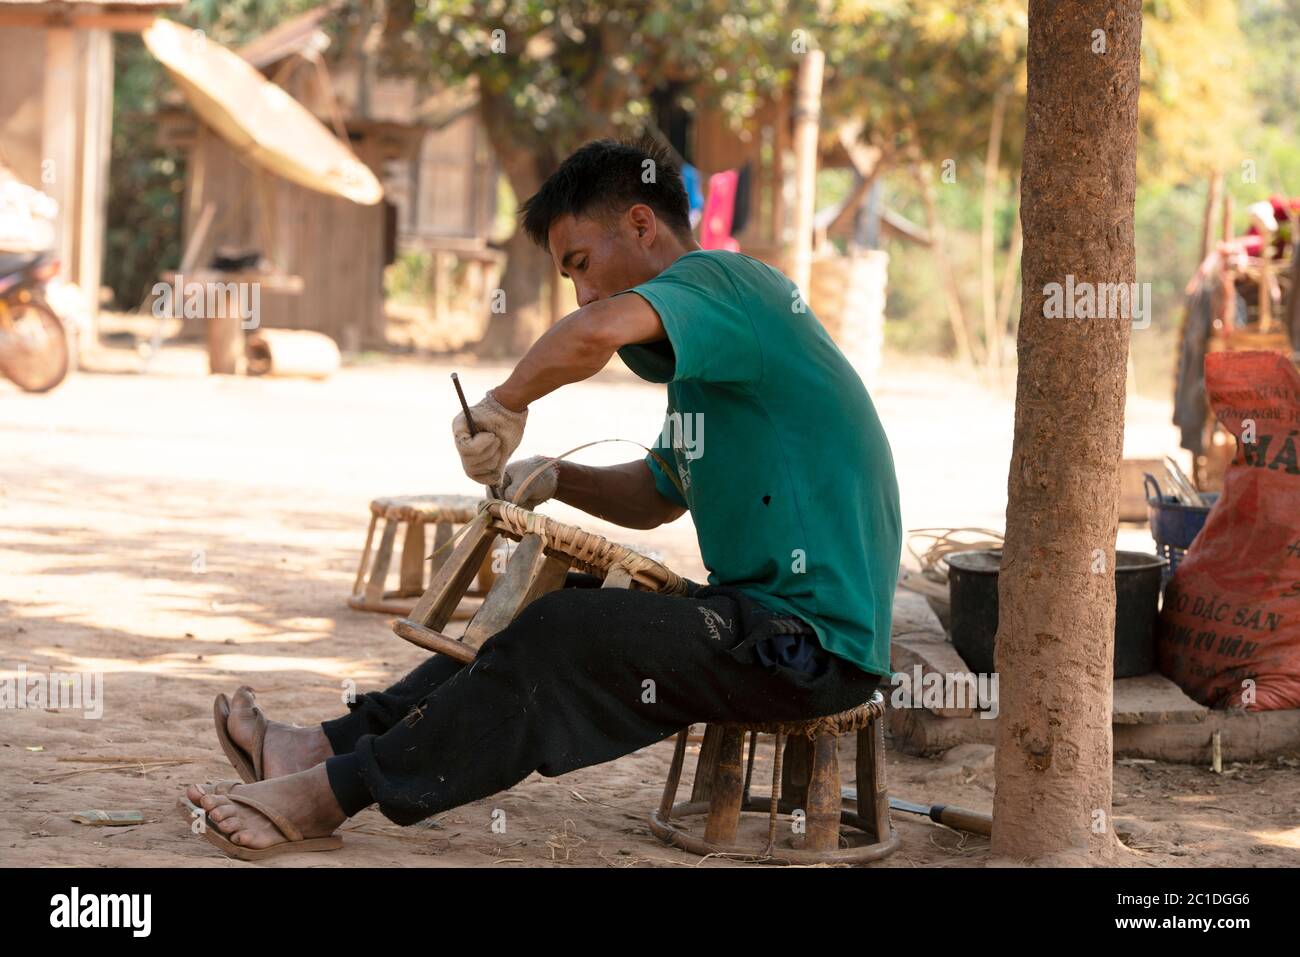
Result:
[{"x": 292, "y": 352}]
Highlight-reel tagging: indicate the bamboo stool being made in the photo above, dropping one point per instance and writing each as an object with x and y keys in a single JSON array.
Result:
[
  {"x": 538, "y": 564},
  {"x": 413, "y": 513},
  {"x": 805, "y": 777}
]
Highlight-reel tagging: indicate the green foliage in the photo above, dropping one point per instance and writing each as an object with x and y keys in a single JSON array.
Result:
[
  {"x": 562, "y": 71},
  {"x": 924, "y": 73},
  {"x": 145, "y": 180}
]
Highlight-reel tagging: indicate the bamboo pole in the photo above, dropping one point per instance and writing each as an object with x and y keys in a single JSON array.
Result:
[{"x": 807, "y": 111}]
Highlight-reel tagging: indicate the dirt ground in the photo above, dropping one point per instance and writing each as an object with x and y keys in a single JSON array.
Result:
[{"x": 184, "y": 534}]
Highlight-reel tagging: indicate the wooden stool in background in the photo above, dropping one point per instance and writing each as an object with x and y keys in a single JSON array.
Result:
[
  {"x": 414, "y": 512},
  {"x": 546, "y": 551},
  {"x": 805, "y": 776}
]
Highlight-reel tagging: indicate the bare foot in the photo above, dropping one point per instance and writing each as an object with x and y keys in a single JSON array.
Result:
[
  {"x": 305, "y": 798},
  {"x": 286, "y": 749}
]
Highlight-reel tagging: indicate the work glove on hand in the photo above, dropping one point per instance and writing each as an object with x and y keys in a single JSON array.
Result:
[
  {"x": 539, "y": 490},
  {"x": 485, "y": 454}
]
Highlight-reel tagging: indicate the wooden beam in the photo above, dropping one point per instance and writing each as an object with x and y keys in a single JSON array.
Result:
[{"x": 113, "y": 21}]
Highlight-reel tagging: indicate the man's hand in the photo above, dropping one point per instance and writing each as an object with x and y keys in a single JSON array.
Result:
[
  {"x": 541, "y": 488},
  {"x": 485, "y": 454}
]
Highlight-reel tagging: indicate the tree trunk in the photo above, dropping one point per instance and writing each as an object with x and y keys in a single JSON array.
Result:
[
  {"x": 520, "y": 314},
  {"x": 1056, "y": 591}
]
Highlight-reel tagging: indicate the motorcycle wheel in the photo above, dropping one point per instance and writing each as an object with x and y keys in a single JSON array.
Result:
[{"x": 34, "y": 349}]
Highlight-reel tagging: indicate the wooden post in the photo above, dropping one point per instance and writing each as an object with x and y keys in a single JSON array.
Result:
[
  {"x": 225, "y": 330},
  {"x": 59, "y": 138},
  {"x": 807, "y": 112},
  {"x": 1207, "y": 223},
  {"x": 97, "y": 145}
]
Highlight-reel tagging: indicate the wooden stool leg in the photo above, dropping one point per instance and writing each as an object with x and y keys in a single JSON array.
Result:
[
  {"x": 824, "y": 795},
  {"x": 412, "y": 578},
  {"x": 728, "y": 786},
  {"x": 529, "y": 574},
  {"x": 796, "y": 765},
  {"x": 442, "y": 533},
  {"x": 706, "y": 764},
  {"x": 487, "y": 572},
  {"x": 383, "y": 558},
  {"x": 873, "y": 795},
  {"x": 674, "y": 775},
  {"x": 448, "y": 587},
  {"x": 365, "y": 557}
]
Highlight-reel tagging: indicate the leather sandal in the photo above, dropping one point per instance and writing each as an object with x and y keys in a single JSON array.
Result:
[
  {"x": 294, "y": 841},
  {"x": 248, "y": 765}
]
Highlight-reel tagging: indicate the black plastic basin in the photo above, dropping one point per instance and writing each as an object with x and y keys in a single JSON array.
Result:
[{"x": 973, "y": 593}]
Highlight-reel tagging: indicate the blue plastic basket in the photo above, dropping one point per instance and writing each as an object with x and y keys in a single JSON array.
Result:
[{"x": 1174, "y": 526}]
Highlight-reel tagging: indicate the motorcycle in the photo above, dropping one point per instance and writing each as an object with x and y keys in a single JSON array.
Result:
[{"x": 34, "y": 349}]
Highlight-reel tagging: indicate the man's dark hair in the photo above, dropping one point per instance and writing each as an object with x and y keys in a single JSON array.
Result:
[{"x": 605, "y": 178}]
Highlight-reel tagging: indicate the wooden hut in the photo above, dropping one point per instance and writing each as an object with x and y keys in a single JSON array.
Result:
[
  {"x": 438, "y": 176},
  {"x": 56, "y": 110}
]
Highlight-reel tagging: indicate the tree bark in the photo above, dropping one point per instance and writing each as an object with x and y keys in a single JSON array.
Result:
[{"x": 1056, "y": 605}]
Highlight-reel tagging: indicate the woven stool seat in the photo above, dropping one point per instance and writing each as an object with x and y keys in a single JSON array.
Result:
[
  {"x": 845, "y": 722},
  {"x": 429, "y": 508},
  {"x": 413, "y": 513},
  {"x": 585, "y": 551},
  {"x": 805, "y": 785},
  {"x": 546, "y": 551}
]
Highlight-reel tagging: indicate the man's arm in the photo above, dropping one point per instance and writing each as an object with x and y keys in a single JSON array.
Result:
[
  {"x": 623, "y": 494},
  {"x": 579, "y": 346}
]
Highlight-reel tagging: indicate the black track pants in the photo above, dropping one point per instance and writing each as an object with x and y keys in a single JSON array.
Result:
[{"x": 583, "y": 675}]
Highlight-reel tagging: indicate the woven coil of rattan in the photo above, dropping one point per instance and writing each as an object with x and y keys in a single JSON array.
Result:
[
  {"x": 586, "y": 551},
  {"x": 428, "y": 508},
  {"x": 845, "y": 722}
]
